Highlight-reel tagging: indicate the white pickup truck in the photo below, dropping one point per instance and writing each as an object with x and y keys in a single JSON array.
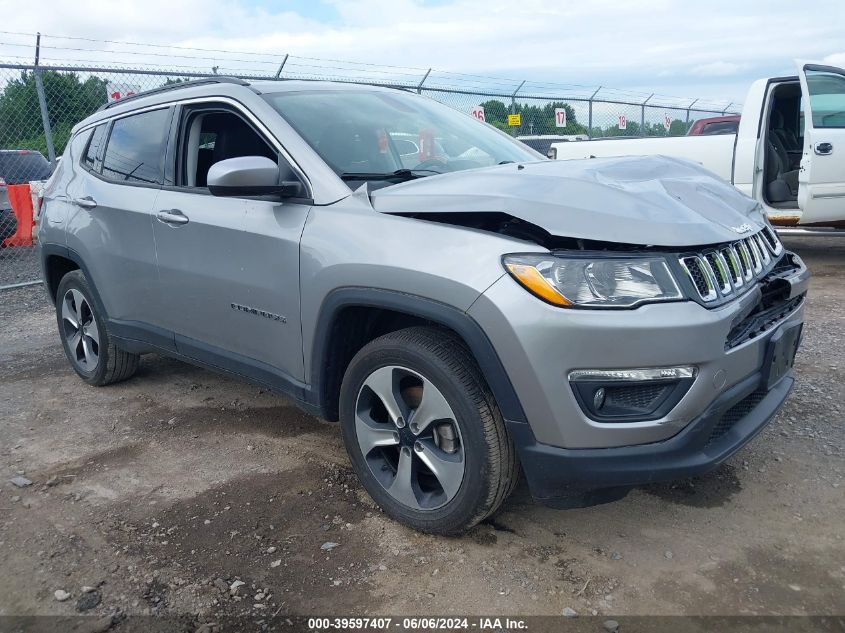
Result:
[{"x": 789, "y": 151}]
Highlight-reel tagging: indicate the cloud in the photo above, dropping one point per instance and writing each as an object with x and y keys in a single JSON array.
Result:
[
  {"x": 836, "y": 59},
  {"x": 719, "y": 69},
  {"x": 666, "y": 46}
]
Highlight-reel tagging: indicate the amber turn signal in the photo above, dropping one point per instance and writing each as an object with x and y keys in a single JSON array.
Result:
[{"x": 531, "y": 278}]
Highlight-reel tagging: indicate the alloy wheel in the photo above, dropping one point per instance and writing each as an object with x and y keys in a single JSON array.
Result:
[
  {"x": 79, "y": 328},
  {"x": 409, "y": 437}
]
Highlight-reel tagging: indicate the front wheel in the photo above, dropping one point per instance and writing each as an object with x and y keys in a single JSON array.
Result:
[{"x": 424, "y": 433}]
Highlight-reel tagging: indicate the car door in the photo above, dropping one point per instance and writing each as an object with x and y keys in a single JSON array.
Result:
[
  {"x": 821, "y": 179},
  {"x": 109, "y": 223},
  {"x": 228, "y": 266}
]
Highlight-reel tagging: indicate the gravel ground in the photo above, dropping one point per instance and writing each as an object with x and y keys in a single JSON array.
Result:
[
  {"x": 18, "y": 265},
  {"x": 161, "y": 495}
]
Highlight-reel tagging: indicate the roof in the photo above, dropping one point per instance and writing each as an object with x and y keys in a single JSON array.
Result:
[
  {"x": 217, "y": 86},
  {"x": 259, "y": 87},
  {"x": 177, "y": 85}
]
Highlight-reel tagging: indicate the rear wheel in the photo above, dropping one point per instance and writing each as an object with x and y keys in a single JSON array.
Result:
[
  {"x": 85, "y": 337},
  {"x": 424, "y": 433}
]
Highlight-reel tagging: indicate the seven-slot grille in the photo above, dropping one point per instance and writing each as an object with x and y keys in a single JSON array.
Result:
[{"x": 726, "y": 270}]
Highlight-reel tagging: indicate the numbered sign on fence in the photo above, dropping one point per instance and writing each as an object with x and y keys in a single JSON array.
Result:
[
  {"x": 115, "y": 91},
  {"x": 667, "y": 122},
  {"x": 478, "y": 113},
  {"x": 623, "y": 122},
  {"x": 560, "y": 117}
]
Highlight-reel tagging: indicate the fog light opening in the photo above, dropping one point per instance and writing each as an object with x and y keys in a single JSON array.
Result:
[{"x": 630, "y": 395}]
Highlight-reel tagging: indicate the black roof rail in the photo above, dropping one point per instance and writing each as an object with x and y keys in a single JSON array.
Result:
[{"x": 176, "y": 85}]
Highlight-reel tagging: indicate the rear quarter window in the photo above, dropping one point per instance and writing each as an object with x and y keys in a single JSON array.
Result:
[{"x": 92, "y": 152}]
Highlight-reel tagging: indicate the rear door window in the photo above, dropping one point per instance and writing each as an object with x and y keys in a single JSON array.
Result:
[{"x": 135, "y": 150}]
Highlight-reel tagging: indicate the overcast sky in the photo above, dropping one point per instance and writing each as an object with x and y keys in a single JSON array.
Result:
[{"x": 711, "y": 49}]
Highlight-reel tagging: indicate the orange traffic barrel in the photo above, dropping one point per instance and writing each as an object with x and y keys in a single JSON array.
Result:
[{"x": 22, "y": 206}]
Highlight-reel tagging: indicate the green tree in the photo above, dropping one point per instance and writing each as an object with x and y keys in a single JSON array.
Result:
[
  {"x": 69, "y": 100},
  {"x": 496, "y": 113},
  {"x": 678, "y": 128}
]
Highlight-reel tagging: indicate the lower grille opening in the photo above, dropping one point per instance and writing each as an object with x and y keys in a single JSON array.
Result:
[
  {"x": 735, "y": 414},
  {"x": 641, "y": 398}
]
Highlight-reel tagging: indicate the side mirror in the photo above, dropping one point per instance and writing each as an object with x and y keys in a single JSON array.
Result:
[{"x": 249, "y": 176}]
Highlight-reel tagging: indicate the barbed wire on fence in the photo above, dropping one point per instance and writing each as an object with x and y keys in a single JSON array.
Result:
[
  {"x": 63, "y": 50},
  {"x": 46, "y": 88}
]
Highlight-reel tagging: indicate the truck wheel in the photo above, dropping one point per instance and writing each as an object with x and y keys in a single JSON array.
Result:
[
  {"x": 424, "y": 433},
  {"x": 85, "y": 337}
]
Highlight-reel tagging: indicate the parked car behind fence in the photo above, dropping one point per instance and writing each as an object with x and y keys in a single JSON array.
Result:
[
  {"x": 17, "y": 167},
  {"x": 715, "y": 125}
]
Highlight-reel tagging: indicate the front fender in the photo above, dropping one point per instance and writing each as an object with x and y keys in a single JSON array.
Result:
[{"x": 436, "y": 312}]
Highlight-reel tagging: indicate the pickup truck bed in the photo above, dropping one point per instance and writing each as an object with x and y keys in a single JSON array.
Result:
[{"x": 712, "y": 152}]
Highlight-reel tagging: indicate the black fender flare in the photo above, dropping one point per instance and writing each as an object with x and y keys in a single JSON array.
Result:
[
  {"x": 448, "y": 316},
  {"x": 58, "y": 250}
]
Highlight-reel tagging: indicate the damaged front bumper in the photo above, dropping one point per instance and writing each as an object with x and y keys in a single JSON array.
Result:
[{"x": 570, "y": 455}]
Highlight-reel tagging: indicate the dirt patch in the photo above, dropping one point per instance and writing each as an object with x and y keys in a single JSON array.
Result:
[
  {"x": 92, "y": 464},
  {"x": 294, "y": 538},
  {"x": 274, "y": 421},
  {"x": 712, "y": 491},
  {"x": 766, "y": 580},
  {"x": 26, "y": 368}
]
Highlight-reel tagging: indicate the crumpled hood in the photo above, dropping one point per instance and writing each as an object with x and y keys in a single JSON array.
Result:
[{"x": 644, "y": 200}]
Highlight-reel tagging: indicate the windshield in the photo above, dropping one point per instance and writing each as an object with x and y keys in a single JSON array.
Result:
[{"x": 371, "y": 135}]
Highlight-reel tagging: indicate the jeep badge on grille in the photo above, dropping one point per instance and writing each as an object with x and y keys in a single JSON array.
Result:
[{"x": 742, "y": 228}]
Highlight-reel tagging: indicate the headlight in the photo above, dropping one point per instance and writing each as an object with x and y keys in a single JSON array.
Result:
[{"x": 601, "y": 282}]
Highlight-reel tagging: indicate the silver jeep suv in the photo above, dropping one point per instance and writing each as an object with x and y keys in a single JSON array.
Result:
[{"x": 463, "y": 306}]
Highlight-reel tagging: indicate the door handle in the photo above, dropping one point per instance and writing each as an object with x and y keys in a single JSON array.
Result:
[
  {"x": 823, "y": 149},
  {"x": 172, "y": 216},
  {"x": 86, "y": 203}
]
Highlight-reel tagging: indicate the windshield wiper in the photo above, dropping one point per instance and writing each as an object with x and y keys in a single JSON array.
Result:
[{"x": 400, "y": 174}]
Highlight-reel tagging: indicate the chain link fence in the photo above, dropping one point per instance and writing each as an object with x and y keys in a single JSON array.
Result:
[{"x": 39, "y": 105}]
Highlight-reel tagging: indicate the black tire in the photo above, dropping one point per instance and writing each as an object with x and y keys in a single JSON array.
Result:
[
  {"x": 491, "y": 469},
  {"x": 113, "y": 364}
]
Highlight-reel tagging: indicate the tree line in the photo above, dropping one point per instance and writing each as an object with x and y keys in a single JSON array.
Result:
[
  {"x": 69, "y": 100},
  {"x": 540, "y": 119}
]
